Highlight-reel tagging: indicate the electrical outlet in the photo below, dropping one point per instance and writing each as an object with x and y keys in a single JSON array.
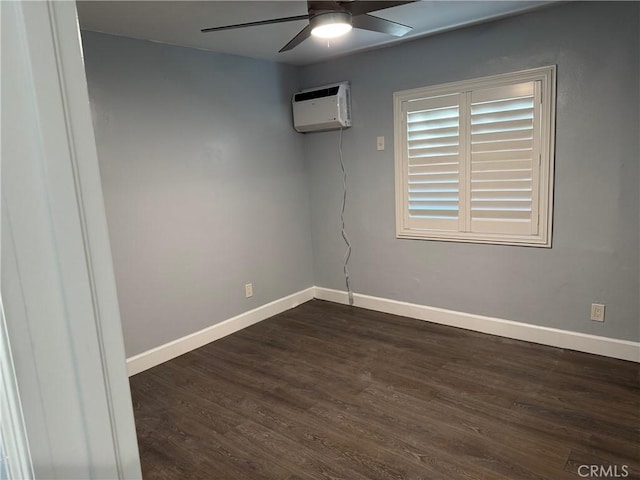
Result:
[
  {"x": 248, "y": 290},
  {"x": 597, "y": 312}
]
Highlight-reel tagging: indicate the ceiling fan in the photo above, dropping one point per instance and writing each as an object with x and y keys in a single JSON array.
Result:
[{"x": 329, "y": 19}]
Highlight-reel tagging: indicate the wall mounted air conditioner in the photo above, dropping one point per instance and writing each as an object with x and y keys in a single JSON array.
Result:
[{"x": 322, "y": 108}]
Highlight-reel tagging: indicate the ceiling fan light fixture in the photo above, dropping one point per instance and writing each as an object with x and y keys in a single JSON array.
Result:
[{"x": 330, "y": 24}]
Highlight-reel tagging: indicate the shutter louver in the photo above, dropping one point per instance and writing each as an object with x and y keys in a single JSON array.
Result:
[
  {"x": 433, "y": 167},
  {"x": 504, "y": 159}
]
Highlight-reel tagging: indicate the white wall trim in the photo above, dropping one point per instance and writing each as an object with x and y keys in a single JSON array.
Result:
[
  {"x": 175, "y": 348},
  {"x": 582, "y": 342}
]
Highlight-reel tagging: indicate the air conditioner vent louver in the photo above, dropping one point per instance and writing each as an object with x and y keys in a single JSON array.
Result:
[{"x": 324, "y": 92}]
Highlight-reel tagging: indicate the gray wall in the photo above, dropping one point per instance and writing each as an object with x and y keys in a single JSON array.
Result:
[
  {"x": 595, "y": 240},
  {"x": 204, "y": 184},
  {"x": 207, "y": 187}
]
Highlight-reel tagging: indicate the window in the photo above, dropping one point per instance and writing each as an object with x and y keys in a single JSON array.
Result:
[{"x": 474, "y": 159}]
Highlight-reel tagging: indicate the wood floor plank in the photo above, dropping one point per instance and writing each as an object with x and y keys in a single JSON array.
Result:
[{"x": 328, "y": 392}]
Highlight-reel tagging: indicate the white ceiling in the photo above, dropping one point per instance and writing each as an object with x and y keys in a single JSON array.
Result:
[{"x": 179, "y": 23}]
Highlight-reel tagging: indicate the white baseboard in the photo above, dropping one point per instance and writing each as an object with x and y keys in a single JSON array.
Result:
[
  {"x": 175, "y": 348},
  {"x": 582, "y": 342}
]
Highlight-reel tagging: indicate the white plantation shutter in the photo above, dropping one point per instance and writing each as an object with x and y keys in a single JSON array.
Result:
[
  {"x": 433, "y": 163},
  {"x": 474, "y": 159},
  {"x": 505, "y": 135}
]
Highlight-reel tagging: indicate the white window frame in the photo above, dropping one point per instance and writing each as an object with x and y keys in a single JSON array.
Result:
[{"x": 545, "y": 78}]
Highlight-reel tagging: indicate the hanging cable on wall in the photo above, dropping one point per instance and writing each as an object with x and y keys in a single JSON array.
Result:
[{"x": 347, "y": 253}]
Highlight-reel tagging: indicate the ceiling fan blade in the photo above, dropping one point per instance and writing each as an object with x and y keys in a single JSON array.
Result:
[
  {"x": 253, "y": 24},
  {"x": 297, "y": 40},
  {"x": 357, "y": 7},
  {"x": 375, "y": 24}
]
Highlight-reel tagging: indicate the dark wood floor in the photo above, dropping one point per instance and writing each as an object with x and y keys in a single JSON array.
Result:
[{"x": 326, "y": 391}]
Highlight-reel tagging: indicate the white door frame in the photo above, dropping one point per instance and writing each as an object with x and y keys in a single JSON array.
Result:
[
  {"x": 58, "y": 286},
  {"x": 14, "y": 447}
]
